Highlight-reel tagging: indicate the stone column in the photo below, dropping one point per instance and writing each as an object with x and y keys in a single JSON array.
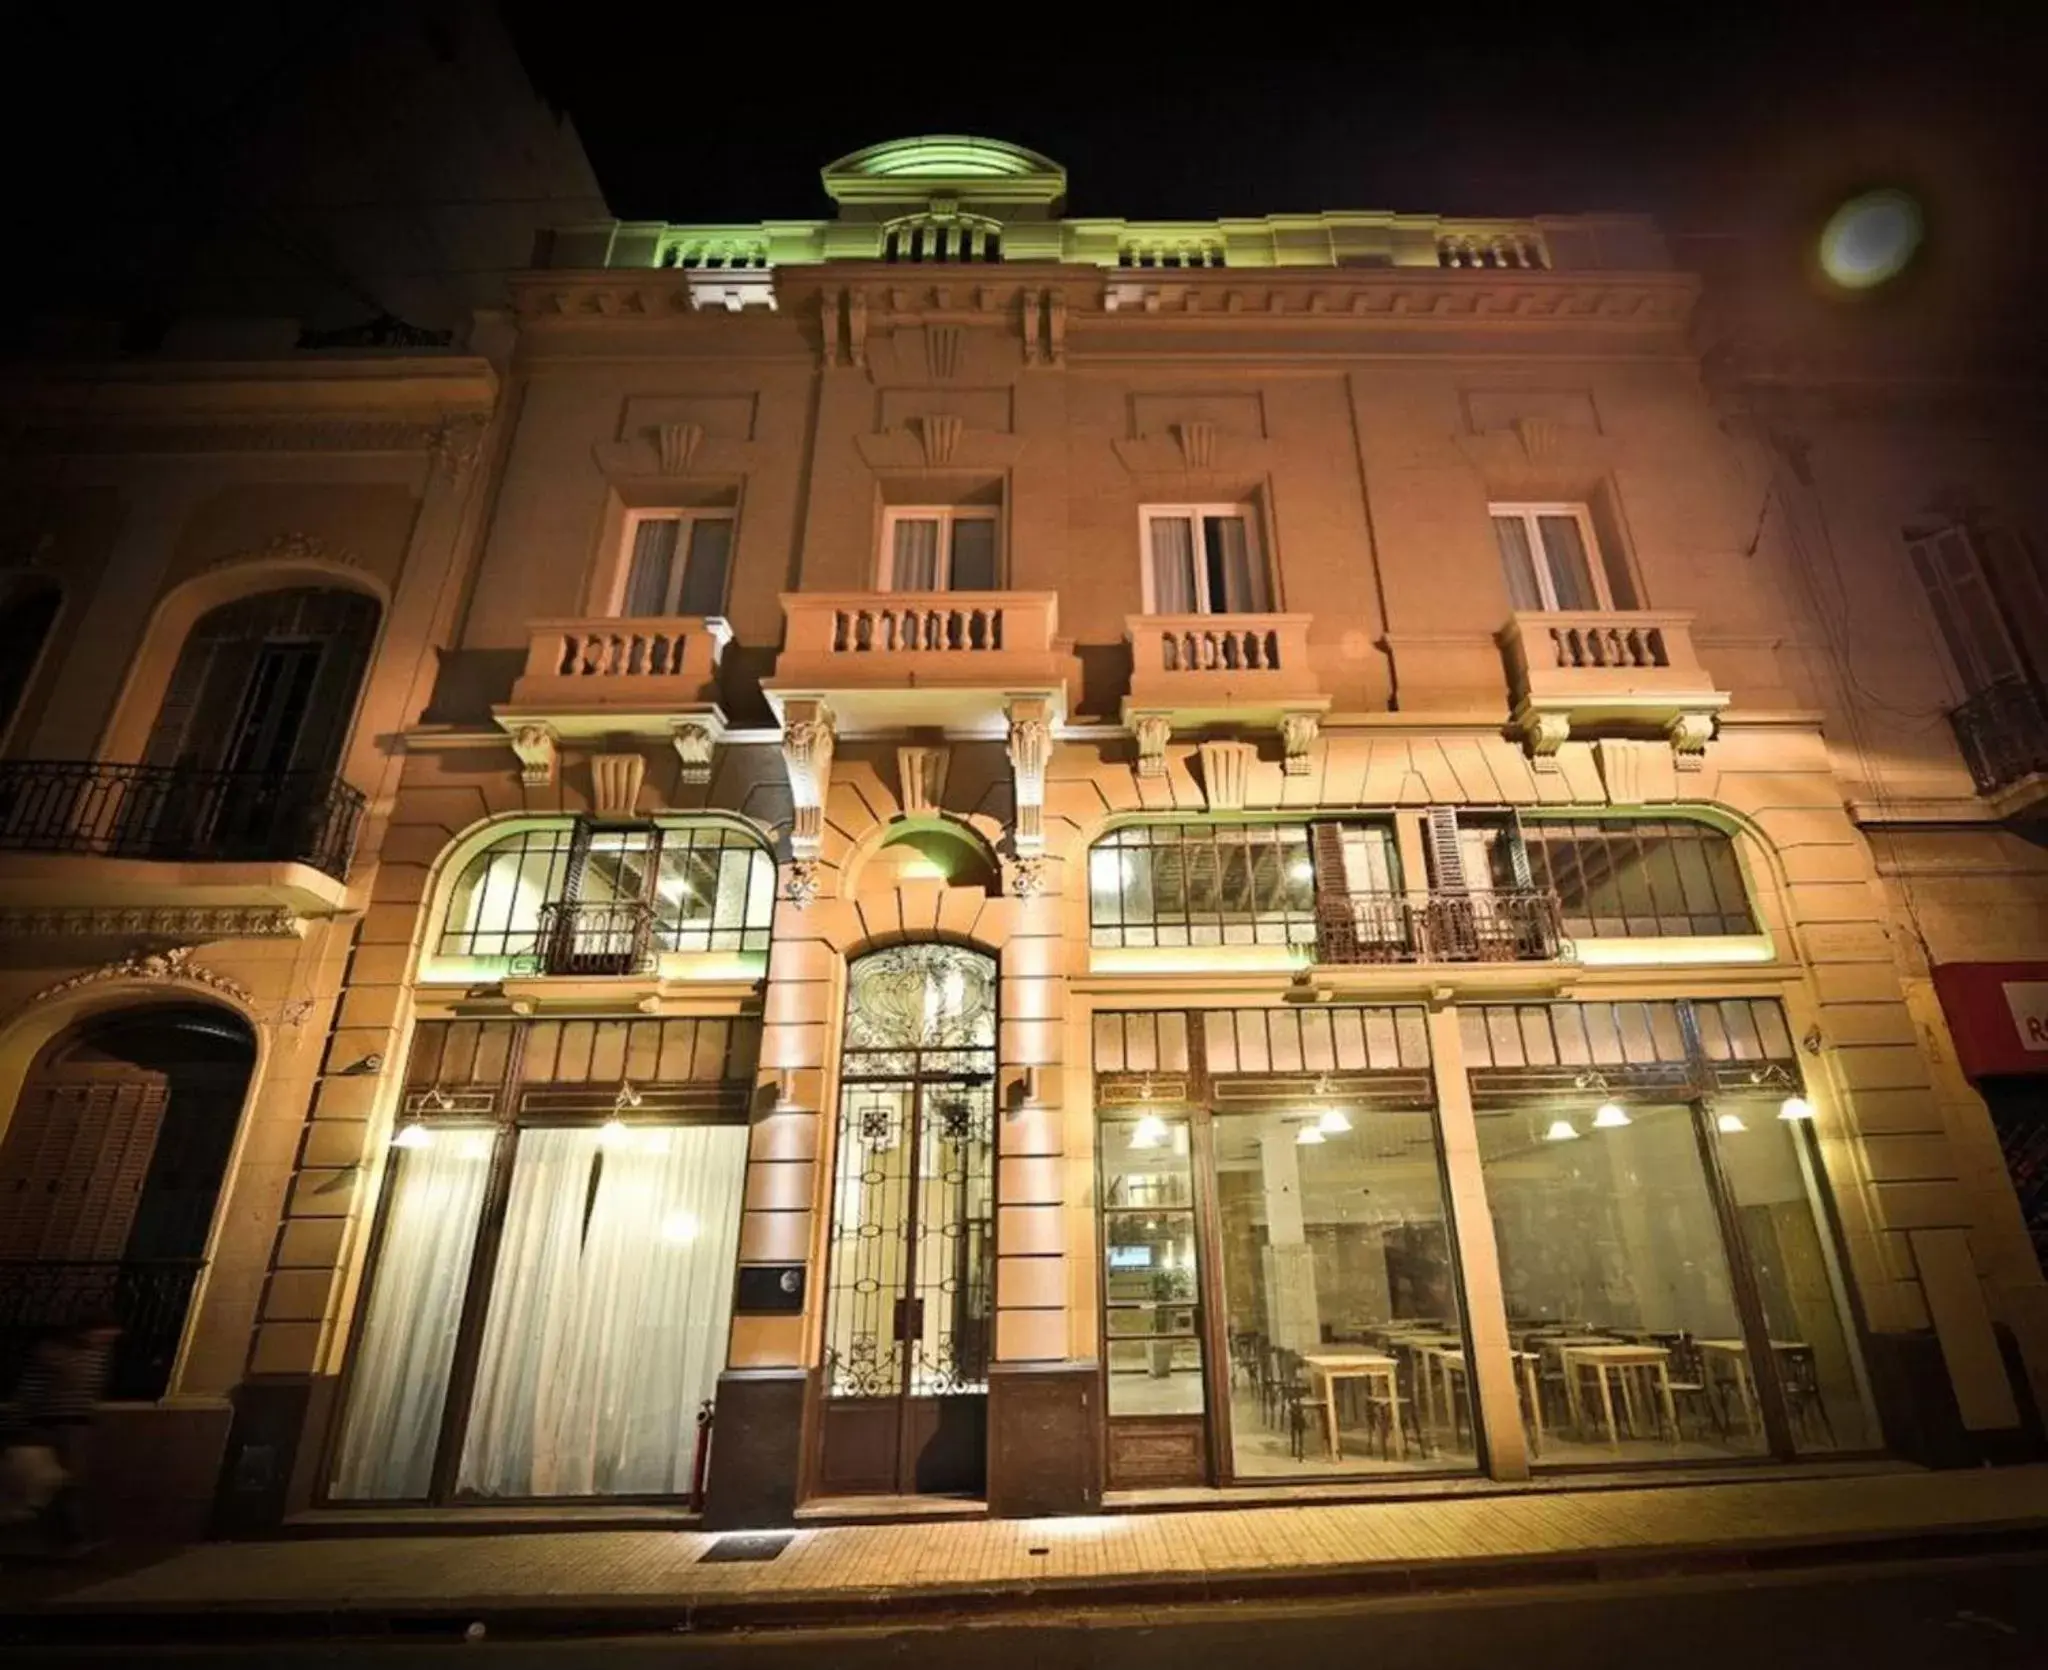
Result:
[{"x": 1287, "y": 1266}]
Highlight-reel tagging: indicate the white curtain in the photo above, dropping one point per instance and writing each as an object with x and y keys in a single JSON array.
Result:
[
  {"x": 1173, "y": 566},
  {"x": 607, "y": 1321},
  {"x": 915, "y": 565},
  {"x": 647, "y": 581},
  {"x": 400, "y": 1376},
  {"x": 1518, "y": 561},
  {"x": 1243, "y": 577}
]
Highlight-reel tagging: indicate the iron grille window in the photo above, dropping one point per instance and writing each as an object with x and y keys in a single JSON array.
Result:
[
  {"x": 1202, "y": 884},
  {"x": 1644, "y": 879},
  {"x": 706, "y": 888}
]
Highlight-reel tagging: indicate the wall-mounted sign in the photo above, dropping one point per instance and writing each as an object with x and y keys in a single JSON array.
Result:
[
  {"x": 1998, "y": 1013},
  {"x": 770, "y": 1289}
]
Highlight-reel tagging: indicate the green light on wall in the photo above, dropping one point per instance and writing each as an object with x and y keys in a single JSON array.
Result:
[{"x": 1870, "y": 239}]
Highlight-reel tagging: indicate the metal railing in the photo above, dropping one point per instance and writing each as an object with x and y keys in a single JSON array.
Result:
[
  {"x": 1507, "y": 927},
  {"x": 40, "y": 1298},
  {"x": 585, "y": 937},
  {"x": 2003, "y": 732},
  {"x": 179, "y": 814}
]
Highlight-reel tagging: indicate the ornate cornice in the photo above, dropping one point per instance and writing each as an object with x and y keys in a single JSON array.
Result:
[
  {"x": 188, "y": 922},
  {"x": 451, "y": 442},
  {"x": 172, "y": 967}
]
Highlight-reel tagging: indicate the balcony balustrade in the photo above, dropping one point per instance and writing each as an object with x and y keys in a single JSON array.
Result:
[
  {"x": 179, "y": 815},
  {"x": 2003, "y": 733},
  {"x": 149, "y": 1298},
  {"x": 1188, "y": 671},
  {"x": 588, "y": 937},
  {"x": 882, "y": 659},
  {"x": 1504, "y": 927},
  {"x": 593, "y": 676},
  {"x": 1617, "y": 672}
]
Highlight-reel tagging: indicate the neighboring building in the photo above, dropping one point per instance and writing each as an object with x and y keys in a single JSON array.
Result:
[{"x": 1046, "y": 859}]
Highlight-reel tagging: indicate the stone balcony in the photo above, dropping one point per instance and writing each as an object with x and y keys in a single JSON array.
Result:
[
  {"x": 643, "y": 676},
  {"x": 883, "y": 661},
  {"x": 1189, "y": 671},
  {"x": 1612, "y": 673},
  {"x": 2002, "y": 731}
]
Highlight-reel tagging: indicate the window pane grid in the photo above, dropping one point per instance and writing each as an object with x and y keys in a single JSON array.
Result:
[
  {"x": 1181, "y": 885},
  {"x": 1645, "y": 879}
]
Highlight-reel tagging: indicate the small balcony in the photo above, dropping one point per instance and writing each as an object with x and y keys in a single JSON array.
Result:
[
  {"x": 1616, "y": 673},
  {"x": 253, "y": 837},
  {"x": 883, "y": 660},
  {"x": 583, "y": 937},
  {"x": 148, "y": 1297},
  {"x": 1195, "y": 668},
  {"x": 2003, "y": 733},
  {"x": 614, "y": 676},
  {"x": 1370, "y": 928}
]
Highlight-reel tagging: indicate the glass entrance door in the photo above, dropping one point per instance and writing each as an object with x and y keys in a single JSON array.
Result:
[{"x": 910, "y": 1290}]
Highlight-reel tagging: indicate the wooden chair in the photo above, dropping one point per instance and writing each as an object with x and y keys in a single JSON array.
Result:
[
  {"x": 1800, "y": 1376},
  {"x": 1690, "y": 1390},
  {"x": 1292, "y": 1398}
]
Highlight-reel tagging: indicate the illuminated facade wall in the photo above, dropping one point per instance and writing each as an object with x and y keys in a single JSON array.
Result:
[{"x": 1406, "y": 573}]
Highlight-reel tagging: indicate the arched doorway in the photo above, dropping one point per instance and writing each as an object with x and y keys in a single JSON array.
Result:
[
  {"x": 910, "y": 1288},
  {"x": 110, "y": 1172}
]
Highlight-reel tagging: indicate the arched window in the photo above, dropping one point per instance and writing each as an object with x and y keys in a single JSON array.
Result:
[
  {"x": 25, "y": 621},
  {"x": 267, "y": 684},
  {"x": 110, "y": 1172},
  {"x": 1200, "y": 884},
  {"x": 574, "y": 897}
]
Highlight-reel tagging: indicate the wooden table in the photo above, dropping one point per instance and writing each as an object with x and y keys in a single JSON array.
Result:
[
  {"x": 1733, "y": 1355},
  {"x": 1425, "y": 1343},
  {"x": 1608, "y": 1360},
  {"x": 1332, "y": 1366}
]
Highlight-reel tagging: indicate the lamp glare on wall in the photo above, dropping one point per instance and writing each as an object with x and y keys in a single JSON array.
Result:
[
  {"x": 1333, "y": 1122},
  {"x": 1610, "y": 1116},
  {"x": 413, "y": 1135},
  {"x": 1309, "y": 1135},
  {"x": 612, "y": 1134},
  {"x": 1149, "y": 1132},
  {"x": 1795, "y": 1107},
  {"x": 1729, "y": 1124},
  {"x": 1561, "y": 1130}
]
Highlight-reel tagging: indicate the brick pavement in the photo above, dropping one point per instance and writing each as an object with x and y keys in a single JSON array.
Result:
[{"x": 1204, "y": 1550}]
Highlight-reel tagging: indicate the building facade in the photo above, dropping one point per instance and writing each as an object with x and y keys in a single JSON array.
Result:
[{"x": 1002, "y": 859}]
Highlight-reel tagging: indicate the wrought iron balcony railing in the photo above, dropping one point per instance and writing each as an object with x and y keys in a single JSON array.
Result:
[
  {"x": 1440, "y": 928},
  {"x": 148, "y": 1297},
  {"x": 178, "y": 814},
  {"x": 580, "y": 937},
  {"x": 2003, "y": 733}
]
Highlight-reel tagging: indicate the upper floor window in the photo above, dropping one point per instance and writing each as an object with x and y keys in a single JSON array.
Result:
[
  {"x": 1188, "y": 884},
  {"x": 939, "y": 548},
  {"x": 573, "y": 897},
  {"x": 1551, "y": 557},
  {"x": 1636, "y": 878},
  {"x": 678, "y": 562},
  {"x": 1986, "y": 591},
  {"x": 1204, "y": 559}
]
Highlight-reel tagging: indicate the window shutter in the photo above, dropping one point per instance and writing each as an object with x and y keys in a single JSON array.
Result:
[
  {"x": 1450, "y": 932},
  {"x": 1446, "y": 857},
  {"x": 1518, "y": 855},
  {"x": 1336, "y": 926}
]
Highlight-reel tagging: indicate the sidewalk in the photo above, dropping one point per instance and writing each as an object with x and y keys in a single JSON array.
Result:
[{"x": 630, "y": 1580}]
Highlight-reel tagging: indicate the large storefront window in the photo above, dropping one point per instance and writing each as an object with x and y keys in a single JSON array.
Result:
[
  {"x": 1281, "y": 1297},
  {"x": 1188, "y": 884},
  {"x": 551, "y": 1278},
  {"x": 1670, "y": 1286}
]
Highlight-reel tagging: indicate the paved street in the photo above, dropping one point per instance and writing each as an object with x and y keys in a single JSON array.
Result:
[{"x": 1931, "y": 1615}]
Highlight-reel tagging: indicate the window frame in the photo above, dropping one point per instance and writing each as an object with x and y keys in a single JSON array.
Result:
[
  {"x": 1530, "y": 513},
  {"x": 687, "y": 517},
  {"x": 1255, "y": 540},
  {"x": 946, "y": 515}
]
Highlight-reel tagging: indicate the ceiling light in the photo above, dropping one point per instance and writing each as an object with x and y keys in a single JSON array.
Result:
[
  {"x": 612, "y": 1134},
  {"x": 412, "y": 1136},
  {"x": 1610, "y": 1116},
  {"x": 1729, "y": 1124},
  {"x": 1333, "y": 1122},
  {"x": 1870, "y": 239},
  {"x": 1561, "y": 1130},
  {"x": 1148, "y": 1132},
  {"x": 1795, "y": 1107},
  {"x": 1308, "y": 1136}
]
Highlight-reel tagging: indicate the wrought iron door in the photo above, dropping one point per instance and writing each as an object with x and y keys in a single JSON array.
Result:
[{"x": 909, "y": 1301}]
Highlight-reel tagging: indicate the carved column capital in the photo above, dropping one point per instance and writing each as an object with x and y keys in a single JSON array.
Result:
[
  {"x": 808, "y": 739},
  {"x": 1030, "y": 753},
  {"x": 1152, "y": 731},
  {"x": 1689, "y": 734},
  {"x": 1544, "y": 734},
  {"x": 535, "y": 746},
  {"x": 695, "y": 742},
  {"x": 1298, "y": 733}
]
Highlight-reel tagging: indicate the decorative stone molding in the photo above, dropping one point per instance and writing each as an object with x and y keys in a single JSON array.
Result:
[
  {"x": 1030, "y": 875},
  {"x": 615, "y": 783},
  {"x": 921, "y": 779},
  {"x": 1226, "y": 774},
  {"x": 807, "y": 744},
  {"x": 1544, "y": 734},
  {"x": 1689, "y": 734},
  {"x": 942, "y": 345},
  {"x": 800, "y": 881},
  {"x": 1030, "y": 752},
  {"x": 454, "y": 445},
  {"x": 830, "y": 303},
  {"x": 695, "y": 744},
  {"x": 535, "y": 746},
  {"x": 1621, "y": 770},
  {"x": 856, "y": 328},
  {"x": 1056, "y": 326},
  {"x": 1028, "y": 324},
  {"x": 675, "y": 444},
  {"x": 289, "y": 547},
  {"x": 939, "y": 432},
  {"x": 1298, "y": 733},
  {"x": 189, "y": 922},
  {"x": 1152, "y": 730},
  {"x": 174, "y": 966},
  {"x": 1539, "y": 437},
  {"x": 1197, "y": 444}
]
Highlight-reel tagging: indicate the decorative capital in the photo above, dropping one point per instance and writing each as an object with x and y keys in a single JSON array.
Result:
[
  {"x": 1689, "y": 734},
  {"x": 1298, "y": 733},
  {"x": 1544, "y": 734},
  {"x": 1152, "y": 731},
  {"x": 807, "y": 744},
  {"x": 1030, "y": 753},
  {"x": 535, "y": 746},
  {"x": 694, "y": 744}
]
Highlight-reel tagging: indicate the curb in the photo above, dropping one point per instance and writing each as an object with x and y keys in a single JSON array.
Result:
[{"x": 613, "y": 1615}]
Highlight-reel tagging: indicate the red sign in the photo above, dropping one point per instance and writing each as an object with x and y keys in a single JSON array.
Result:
[{"x": 1999, "y": 1015}]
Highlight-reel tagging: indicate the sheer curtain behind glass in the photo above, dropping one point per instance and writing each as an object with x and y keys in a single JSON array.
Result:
[
  {"x": 1237, "y": 580},
  {"x": 408, "y": 1338},
  {"x": 607, "y": 1322},
  {"x": 1173, "y": 566},
  {"x": 914, "y": 565}
]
